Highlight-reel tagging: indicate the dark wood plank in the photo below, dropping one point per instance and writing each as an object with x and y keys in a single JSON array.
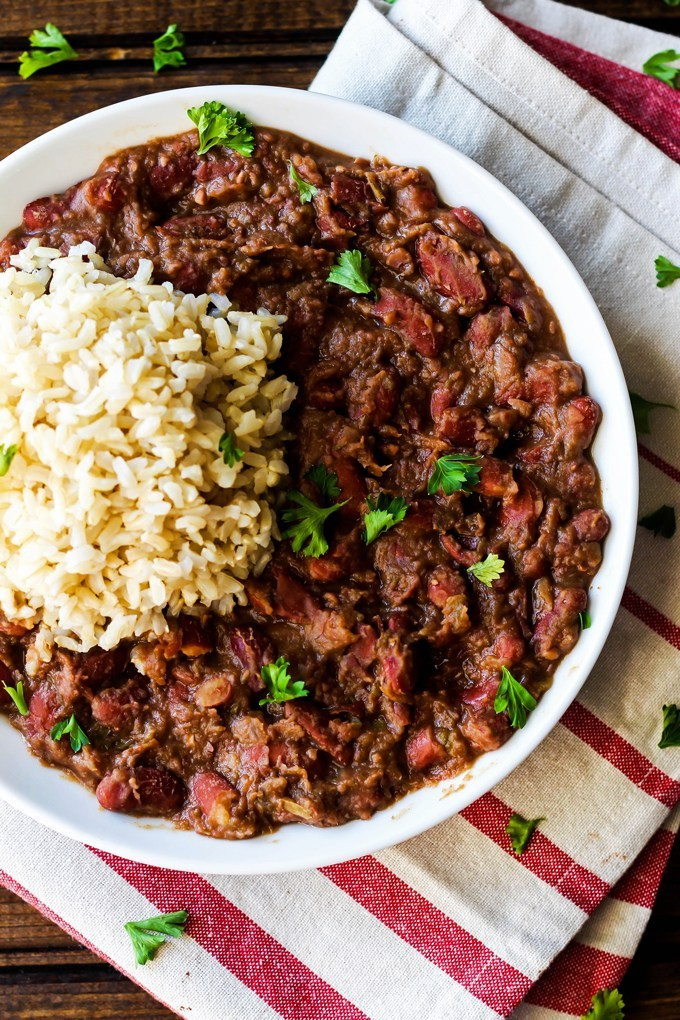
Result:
[
  {"x": 73, "y": 994},
  {"x": 125, "y": 17},
  {"x": 23, "y": 929},
  {"x": 651, "y": 988},
  {"x": 53, "y": 100}
]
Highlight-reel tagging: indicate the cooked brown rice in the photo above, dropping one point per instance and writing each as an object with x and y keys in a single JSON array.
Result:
[{"x": 118, "y": 503}]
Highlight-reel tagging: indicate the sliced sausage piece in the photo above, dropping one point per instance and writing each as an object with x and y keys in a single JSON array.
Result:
[
  {"x": 215, "y": 690},
  {"x": 519, "y": 514},
  {"x": 215, "y": 796},
  {"x": 411, "y": 320},
  {"x": 469, "y": 220},
  {"x": 467, "y": 426},
  {"x": 580, "y": 416},
  {"x": 141, "y": 790},
  {"x": 452, "y": 272},
  {"x": 591, "y": 525},
  {"x": 394, "y": 669},
  {"x": 423, "y": 750},
  {"x": 557, "y": 631},
  {"x": 315, "y": 725},
  {"x": 42, "y": 213},
  {"x": 171, "y": 178},
  {"x": 486, "y": 328},
  {"x": 527, "y": 306},
  {"x": 117, "y": 707},
  {"x": 372, "y": 395}
]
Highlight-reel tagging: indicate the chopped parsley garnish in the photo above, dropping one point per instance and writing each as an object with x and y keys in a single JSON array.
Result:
[
  {"x": 487, "y": 570},
  {"x": 666, "y": 272},
  {"x": 326, "y": 481},
  {"x": 149, "y": 935},
  {"x": 167, "y": 49},
  {"x": 670, "y": 734},
  {"x": 514, "y": 699},
  {"x": 382, "y": 515},
  {"x": 7, "y": 455},
  {"x": 231, "y": 453},
  {"x": 606, "y": 1005},
  {"x": 306, "y": 191},
  {"x": 17, "y": 696},
  {"x": 351, "y": 269},
  {"x": 520, "y": 831},
  {"x": 661, "y": 521},
  {"x": 77, "y": 736},
  {"x": 49, "y": 47},
  {"x": 641, "y": 411},
  {"x": 218, "y": 125},
  {"x": 306, "y": 523},
  {"x": 660, "y": 66},
  {"x": 584, "y": 620},
  {"x": 277, "y": 680},
  {"x": 454, "y": 472}
]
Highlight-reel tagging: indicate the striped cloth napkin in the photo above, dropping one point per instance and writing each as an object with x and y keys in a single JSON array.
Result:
[{"x": 453, "y": 925}]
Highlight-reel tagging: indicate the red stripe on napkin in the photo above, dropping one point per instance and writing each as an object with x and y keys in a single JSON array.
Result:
[
  {"x": 438, "y": 937},
  {"x": 238, "y": 942},
  {"x": 566, "y": 986},
  {"x": 659, "y": 462},
  {"x": 640, "y": 884},
  {"x": 542, "y": 857},
  {"x": 621, "y": 754},
  {"x": 648, "y": 105},
  {"x": 655, "y": 620}
]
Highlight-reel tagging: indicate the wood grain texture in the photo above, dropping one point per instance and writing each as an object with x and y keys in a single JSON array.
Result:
[{"x": 44, "y": 974}]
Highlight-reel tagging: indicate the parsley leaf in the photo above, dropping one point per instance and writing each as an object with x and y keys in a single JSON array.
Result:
[
  {"x": 229, "y": 450},
  {"x": 661, "y": 521},
  {"x": 659, "y": 66},
  {"x": 382, "y": 515},
  {"x": 167, "y": 49},
  {"x": 278, "y": 683},
  {"x": 306, "y": 190},
  {"x": 306, "y": 524},
  {"x": 514, "y": 699},
  {"x": 454, "y": 472},
  {"x": 607, "y": 1005},
  {"x": 641, "y": 410},
  {"x": 146, "y": 942},
  {"x": 666, "y": 272},
  {"x": 49, "y": 47},
  {"x": 218, "y": 125},
  {"x": 77, "y": 736},
  {"x": 584, "y": 620},
  {"x": 325, "y": 481},
  {"x": 670, "y": 734},
  {"x": 7, "y": 455},
  {"x": 669, "y": 3},
  {"x": 487, "y": 570},
  {"x": 17, "y": 696},
  {"x": 351, "y": 269},
  {"x": 520, "y": 831}
]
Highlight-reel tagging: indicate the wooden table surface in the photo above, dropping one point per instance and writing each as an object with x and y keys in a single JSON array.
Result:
[{"x": 44, "y": 974}]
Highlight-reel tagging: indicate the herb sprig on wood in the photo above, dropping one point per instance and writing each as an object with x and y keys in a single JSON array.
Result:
[{"x": 48, "y": 47}]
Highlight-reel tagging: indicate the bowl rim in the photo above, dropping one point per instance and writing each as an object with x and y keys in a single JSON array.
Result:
[{"x": 153, "y": 841}]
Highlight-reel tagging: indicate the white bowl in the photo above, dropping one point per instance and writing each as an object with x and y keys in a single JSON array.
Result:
[{"x": 62, "y": 157}]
